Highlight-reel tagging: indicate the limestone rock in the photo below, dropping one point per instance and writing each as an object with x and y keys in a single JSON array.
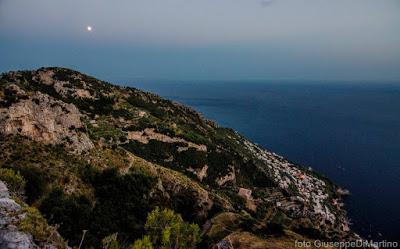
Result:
[
  {"x": 4, "y": 191},
  {"x": 223, "y": 244},
  {"x": 16, "y": 240},
  {"x": 10, "y": 237},
  {"x": 42, "y": 118}
]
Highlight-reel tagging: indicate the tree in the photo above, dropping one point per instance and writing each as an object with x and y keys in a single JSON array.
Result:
[
  {"x": 144, "y": 243},
  {"x": 167, "y": 230},
  {"x": 14, "y": 180},
  {"x": 110, "y": 242}
]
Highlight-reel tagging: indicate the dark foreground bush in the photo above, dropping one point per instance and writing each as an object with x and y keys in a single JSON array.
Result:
[{"x": 119, "y": 205}]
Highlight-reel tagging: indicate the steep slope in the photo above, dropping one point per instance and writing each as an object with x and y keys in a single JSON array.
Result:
[{"x": 90, "y": 146}]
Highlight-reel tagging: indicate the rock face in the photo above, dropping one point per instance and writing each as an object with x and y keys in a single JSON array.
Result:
[
  {"x": 10, "y": 237},
  {"x": 223, "y": 244},
  {"x": 16, "y": 240},
  {"x": 44, "y": 119}
]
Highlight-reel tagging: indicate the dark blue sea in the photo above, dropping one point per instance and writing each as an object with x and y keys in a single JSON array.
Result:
[{"x": 348, "y": 131}]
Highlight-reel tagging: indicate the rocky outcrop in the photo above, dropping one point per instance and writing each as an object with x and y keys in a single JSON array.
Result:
[
  {"x": 10, "y": 236},
  {"x": 63, "y": 87},
  {"x": 42, "y": 118},
  {"x": 223, "y": 244}
]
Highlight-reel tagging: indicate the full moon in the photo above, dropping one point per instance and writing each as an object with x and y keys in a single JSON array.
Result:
[{"x": 89, "y": 28}]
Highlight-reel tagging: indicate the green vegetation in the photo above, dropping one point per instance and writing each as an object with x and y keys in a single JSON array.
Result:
[
  {"x": 36, "y": 184},
  {"x": 251, "y": 176},
  {"x": 72, "y": 213},
  {"x": 105, "y": 201},
  {"x": 121, "y": 201},
  {"x": 192, "y": 157},
  {"x": 144, "y": 243},
  {"x": 142, "y": 102},
  {"x": 118, "y": 205},
  {"x": 110, "y": 242},
  {"x": 167, "y": 230},
  {"x": 105, "y": 129},
  {"x": 35, "y": 224},
  {"x": 155, "y": 151},
  {"x": 15, "y": 182},
  {"x": 43, "y": 167},
  {"x": 191, "y": 133}
]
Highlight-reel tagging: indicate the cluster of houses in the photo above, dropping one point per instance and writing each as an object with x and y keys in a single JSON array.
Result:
[{"x": 309, "y": 193}]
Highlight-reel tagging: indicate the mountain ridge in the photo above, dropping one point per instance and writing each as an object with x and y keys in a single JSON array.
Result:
[{"x": 87, "y": 128}]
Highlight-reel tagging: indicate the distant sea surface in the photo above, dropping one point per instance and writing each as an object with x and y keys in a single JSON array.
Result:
[{"x": 350, "y": 132}]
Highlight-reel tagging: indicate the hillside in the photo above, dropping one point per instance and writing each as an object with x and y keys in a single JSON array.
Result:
[{"x": 99, "y": 157}]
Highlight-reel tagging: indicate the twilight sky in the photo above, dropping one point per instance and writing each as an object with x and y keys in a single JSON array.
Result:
[{"x": 205, "y": 39}]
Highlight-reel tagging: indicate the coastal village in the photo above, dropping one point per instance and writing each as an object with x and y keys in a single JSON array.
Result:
[{"x": 311, "y": 199}]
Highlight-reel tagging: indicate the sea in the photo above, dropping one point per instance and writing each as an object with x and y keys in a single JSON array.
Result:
[{"x": 347, "y": 131}]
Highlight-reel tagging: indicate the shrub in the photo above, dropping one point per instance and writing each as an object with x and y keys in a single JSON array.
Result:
[
  {"x": 15, "y": 182},
  {"x": 118, "y": 206},
  {"x": 120, "y": 202},
  {"x": 105, "y": 130},
  {"x": 142, "y": 102},
  {"x": 110, "y": 242},
  {"x": 167, "y": 230},
  {"x": 154, "y": 151},
  {"x": 34, "y": 223},
  {"x": 192, "y": 157},
  {"x": 144, "y": 243},
  {"x": 71, "y": 212},
  {"x": 36, "y": 183}
]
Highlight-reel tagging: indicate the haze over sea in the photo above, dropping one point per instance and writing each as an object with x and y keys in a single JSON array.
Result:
[{"x": 349, "y": 132}]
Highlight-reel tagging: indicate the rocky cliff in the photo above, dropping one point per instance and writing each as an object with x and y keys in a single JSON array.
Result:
[{"x": 109, "y": 154}]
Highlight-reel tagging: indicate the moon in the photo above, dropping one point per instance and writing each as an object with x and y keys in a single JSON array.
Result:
[{"x": 89, "y": 28}]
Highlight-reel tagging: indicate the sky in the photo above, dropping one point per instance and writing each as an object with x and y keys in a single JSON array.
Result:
[{"x": 205, "y": 39}]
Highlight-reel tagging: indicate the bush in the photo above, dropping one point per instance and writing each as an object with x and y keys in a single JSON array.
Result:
[
  {"x": 36, "y": 183},
  {"x": 110, "y": 242},
  {"x": 71, "y": 212},
  {"x": 15, "y": 182},
  {"x": 118, "y": 206},
  {"x": 155, "y": 151},
  {"x": 167, "y": 230},
  {"x": 120, "y": 202},
  {"x": 105, "y": 130},
  {"x": 144, "y": 243},
  {"x": 191, "y": 157},
  {"x": 141, "y": 102},
  {"x": 35, "y": 224}
]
